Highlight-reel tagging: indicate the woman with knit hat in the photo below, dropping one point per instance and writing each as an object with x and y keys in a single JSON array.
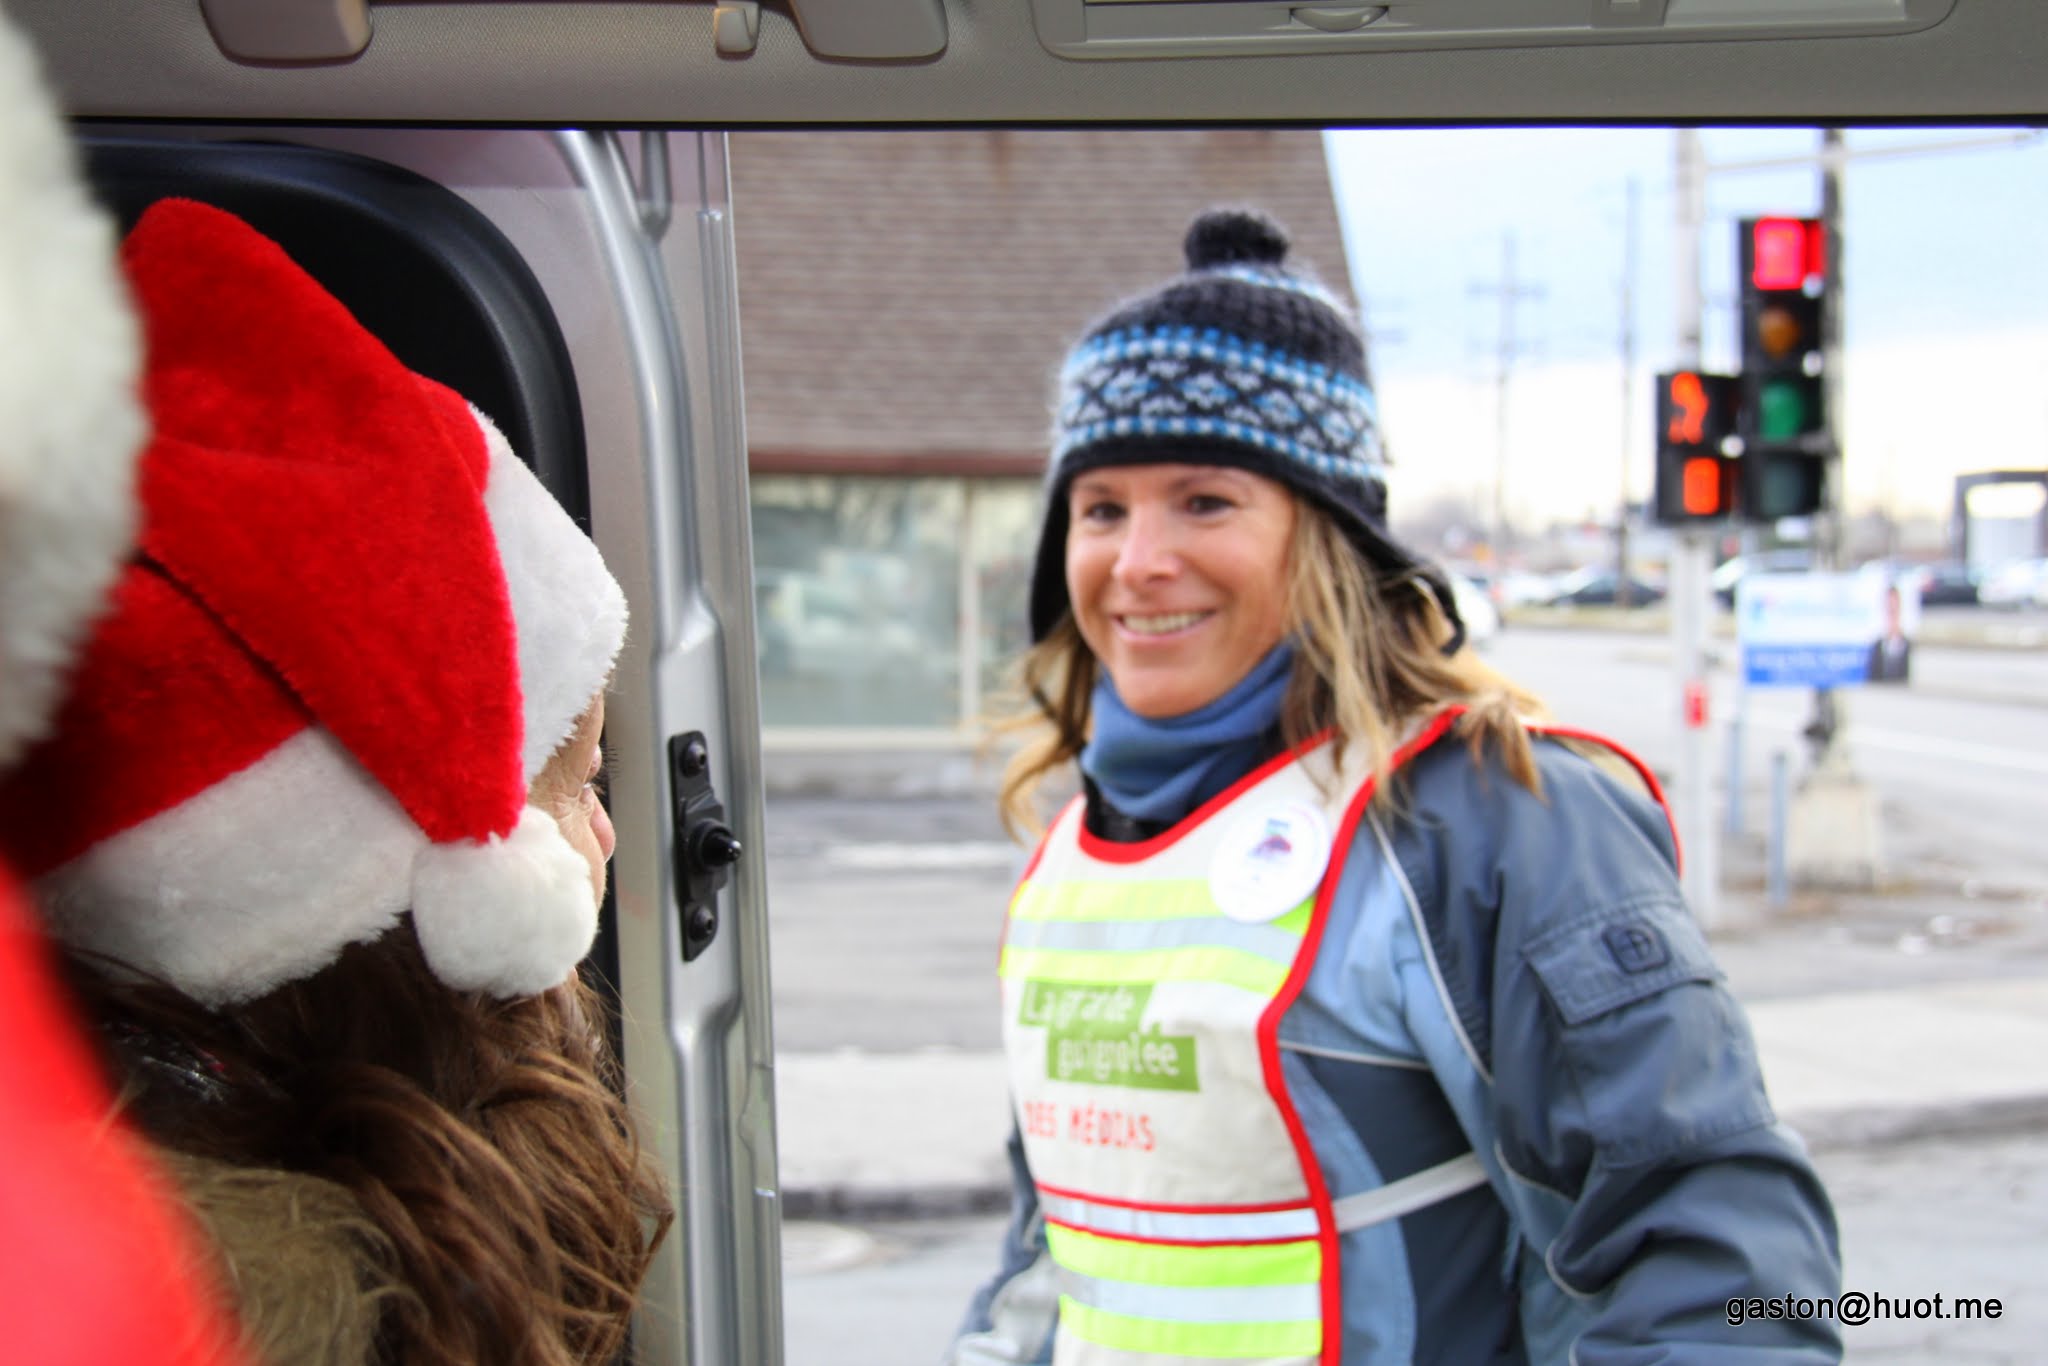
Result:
[
  {"x": 316, "y": 824},
  {"x": 1352, "y": 1011}
]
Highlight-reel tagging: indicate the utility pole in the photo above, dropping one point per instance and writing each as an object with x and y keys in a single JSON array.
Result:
[
  {"x": 1622, "y": 593},
  {"x": 1511, "y": 292},
  {"x": 1829, "y": 718},
  {"x": 1833, "y": 835},
  {"x": 1691, "y": 603}
]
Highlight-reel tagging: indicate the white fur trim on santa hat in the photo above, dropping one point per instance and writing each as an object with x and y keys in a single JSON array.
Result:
[
  {"x": 510, "y": 916},
  {"x": 569, "y": 612},
  {"x": 71, "y": 423},
  {"x": 261, "y": 879}
]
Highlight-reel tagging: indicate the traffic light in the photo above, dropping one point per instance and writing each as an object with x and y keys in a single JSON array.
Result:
[
  {"x": 1786, "y": 301},
  {"x": 1695, "y": 417}
]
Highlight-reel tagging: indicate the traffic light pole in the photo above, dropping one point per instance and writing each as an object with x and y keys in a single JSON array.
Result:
[
  {"x": 1833, "y": 837},
  {"x": 1691, "y": 566},
  {"x": 1828, "y": 729}
]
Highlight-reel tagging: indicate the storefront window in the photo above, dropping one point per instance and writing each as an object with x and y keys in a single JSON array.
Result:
[
  {"x": 1004, "y": 527},
  {"x": 857, "y": 600}
]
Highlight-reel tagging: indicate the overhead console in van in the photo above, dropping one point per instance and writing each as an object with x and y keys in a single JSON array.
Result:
[
  {"x": 807, "y": 63},
  {"x": 339, "y": 30},
  {"x": 1199, "y": 28}
]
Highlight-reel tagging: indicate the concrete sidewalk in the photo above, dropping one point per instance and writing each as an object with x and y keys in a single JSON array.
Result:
[{"x": 922, "y": 1133}]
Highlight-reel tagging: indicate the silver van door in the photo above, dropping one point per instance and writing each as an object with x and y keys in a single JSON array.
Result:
[
  {"x": 630, "y": 237},
  {"x": 669, "y": 507}
]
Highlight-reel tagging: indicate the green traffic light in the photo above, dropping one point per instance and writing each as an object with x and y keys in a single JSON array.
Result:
[
  {"x": 1783, "y": 491},
  {"x": 1782, "y": 410}
]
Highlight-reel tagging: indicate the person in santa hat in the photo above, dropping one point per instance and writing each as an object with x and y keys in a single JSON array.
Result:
[{"x": 317, "y": 827}]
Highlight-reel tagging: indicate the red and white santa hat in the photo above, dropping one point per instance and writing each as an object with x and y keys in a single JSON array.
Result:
[
  {"x": 355, "y": 630},
  {"x": 71, "y": 424}
]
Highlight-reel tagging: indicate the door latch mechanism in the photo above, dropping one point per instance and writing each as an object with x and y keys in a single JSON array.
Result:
[{"x": 705, "y": 847}]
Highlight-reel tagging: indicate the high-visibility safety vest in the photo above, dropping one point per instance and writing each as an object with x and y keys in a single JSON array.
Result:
[{"x": 1143, "y": 986}]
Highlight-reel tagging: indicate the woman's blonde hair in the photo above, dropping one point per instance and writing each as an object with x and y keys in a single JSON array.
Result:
[{"x": 1368, "y": 662}]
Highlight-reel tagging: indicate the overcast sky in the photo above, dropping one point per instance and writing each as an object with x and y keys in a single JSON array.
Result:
[{"x": 1946, "y": 302}]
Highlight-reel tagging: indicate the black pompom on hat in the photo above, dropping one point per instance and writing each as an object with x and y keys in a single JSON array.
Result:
[{"x": 1241, "y": 361}]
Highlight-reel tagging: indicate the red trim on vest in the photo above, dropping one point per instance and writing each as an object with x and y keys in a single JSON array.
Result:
[
  {"x": 1642, "y": 771},
  {"x": 1269, "y": 1037},
  {"x": 1276, "y": 1207},
  {"x": 1268, "y": 1028},
  {"x": 1072, "y": 1227},
  {"x": 1108, "y": 851}
]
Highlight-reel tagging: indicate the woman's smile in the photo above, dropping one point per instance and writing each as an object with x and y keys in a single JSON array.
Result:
[
  {"x": 1178, "y": 578},
  {"x": 1161, "y": 625}
]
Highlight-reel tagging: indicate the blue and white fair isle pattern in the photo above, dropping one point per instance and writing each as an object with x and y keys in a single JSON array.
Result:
[{"x": 1167, "y": 382}]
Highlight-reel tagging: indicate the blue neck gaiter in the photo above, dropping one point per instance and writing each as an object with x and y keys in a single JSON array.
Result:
[{"x": 1160, "y": 770}]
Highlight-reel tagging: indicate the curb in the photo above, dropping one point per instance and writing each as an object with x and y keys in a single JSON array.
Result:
[
  {"x": 1986, "y": 633},
  {"x": 1824, "y": 1131},
  {"x": 848, "y": 1203},
  {"x": 1892, "y": 1126}
]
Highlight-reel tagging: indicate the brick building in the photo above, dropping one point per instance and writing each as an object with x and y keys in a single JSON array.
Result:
[{"x": 905, "y": 299}]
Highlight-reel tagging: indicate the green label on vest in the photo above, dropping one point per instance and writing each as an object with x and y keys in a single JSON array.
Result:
[
  {"x": 1146, "y": 1059},
  {"x": 1093, "y": 1037},
  {"x": 1084, "y": 1006}
]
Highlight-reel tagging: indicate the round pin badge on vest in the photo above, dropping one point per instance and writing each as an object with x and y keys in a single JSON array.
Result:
[{"x": 1269, "y": 861}]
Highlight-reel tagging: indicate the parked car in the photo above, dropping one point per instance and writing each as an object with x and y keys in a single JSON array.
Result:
[
  {"x": 1592, "y": 587},
  {"x": 2023, "y": 583},
  {"x": 1482, "y": 618},
  {"x": 1485, "y": 580},
  {"x": 1521, "y": 588},
  {"x": 1948, "y": 584}
]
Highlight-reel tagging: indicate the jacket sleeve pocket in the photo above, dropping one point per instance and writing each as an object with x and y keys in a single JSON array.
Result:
[
  {"x": 1659, "y": 1054},
  {"x": 1600, "y": 962}
]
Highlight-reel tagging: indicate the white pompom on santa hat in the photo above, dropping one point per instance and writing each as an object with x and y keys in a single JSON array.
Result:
[{"x": 356, "y": 629}]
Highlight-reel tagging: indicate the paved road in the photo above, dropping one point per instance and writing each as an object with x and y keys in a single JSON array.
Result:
[
  {"x": 1960, "y": 755},
  {"x": 887, "y": 912},
  {"x": 1940, "y": 1217}
]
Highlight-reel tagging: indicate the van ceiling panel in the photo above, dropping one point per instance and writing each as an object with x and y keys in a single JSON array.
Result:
[
  {"x": 539, "y": 62},
  {"x": 1112, "y": 29}
]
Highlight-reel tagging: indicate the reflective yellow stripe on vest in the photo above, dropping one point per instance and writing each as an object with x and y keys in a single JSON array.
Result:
[
  {"x": 1188, "y": 1300},
  {"x": 1149, "y": 1088}
]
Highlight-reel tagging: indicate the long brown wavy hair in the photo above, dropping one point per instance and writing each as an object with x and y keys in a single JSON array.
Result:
[
  {"x": 485, "y": 1140},
  {"x": 1368, "y": 661}
]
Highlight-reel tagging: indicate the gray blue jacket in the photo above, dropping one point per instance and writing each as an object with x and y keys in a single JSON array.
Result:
[{"x": 1519, "y": 977}]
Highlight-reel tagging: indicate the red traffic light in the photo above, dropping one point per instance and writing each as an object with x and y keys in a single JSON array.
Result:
[
  {"x": 1787, "y": 252},
  {"x": 1695, "y": 409},
  {"x": 1705, "y": 487},
  {"x": 1688, "y": 403},
  {"x": 1695, "y": 481},
  {"x": 1787, "y": 309}
]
